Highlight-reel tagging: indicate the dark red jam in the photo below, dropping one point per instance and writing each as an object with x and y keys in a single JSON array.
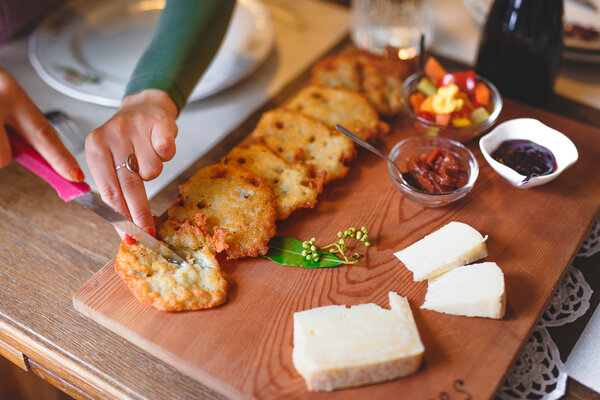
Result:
[{"x": 525, "y": 157}]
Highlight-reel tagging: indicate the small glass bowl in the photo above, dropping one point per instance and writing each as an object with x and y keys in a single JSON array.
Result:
[
  {"x": 463, "y": 133},
  {"x": 423, "y": 144}
]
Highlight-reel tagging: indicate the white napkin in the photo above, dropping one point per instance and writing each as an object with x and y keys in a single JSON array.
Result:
[{"x": 583, "y": 363}]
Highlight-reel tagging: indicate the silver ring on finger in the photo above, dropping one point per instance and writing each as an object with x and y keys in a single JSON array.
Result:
[{"x": 131, "y": 164}]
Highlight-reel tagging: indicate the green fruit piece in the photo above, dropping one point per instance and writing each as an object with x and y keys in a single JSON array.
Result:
[
  {"x": 479, "y": 114},
  {"x": 426, "y": 87}
]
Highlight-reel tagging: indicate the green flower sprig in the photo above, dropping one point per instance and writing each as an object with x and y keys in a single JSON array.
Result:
[{"x": 313, "y": 252}]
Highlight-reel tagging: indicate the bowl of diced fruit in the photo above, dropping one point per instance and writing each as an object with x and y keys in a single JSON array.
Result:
[{"x": 458, "y": 106}]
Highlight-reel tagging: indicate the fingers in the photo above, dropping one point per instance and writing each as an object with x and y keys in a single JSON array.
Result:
[
  {"x": 134, "y": 193},
  {"x": 5, "y": 150},
  {"x": 28, "y": 120},
  {"x": 123, "y": 190},
  {"x": 163, "y": 139},
  {"x": 150, "y": 163},
  {"x": 100, "y": 160}
]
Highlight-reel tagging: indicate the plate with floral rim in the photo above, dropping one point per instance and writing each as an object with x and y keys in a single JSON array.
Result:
[{"x": 88, "y": 50}]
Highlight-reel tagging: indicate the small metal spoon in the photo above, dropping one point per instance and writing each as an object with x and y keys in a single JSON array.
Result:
[
  {"x": 527, "y": 179},
  {"x": 367, "y": 146}
]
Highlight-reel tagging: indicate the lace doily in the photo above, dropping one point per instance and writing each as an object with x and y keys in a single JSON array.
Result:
[
  {"x": 571, "y": 300},
  {"x": 539, "y": 374},
  {"x": 591, "y": 244}
]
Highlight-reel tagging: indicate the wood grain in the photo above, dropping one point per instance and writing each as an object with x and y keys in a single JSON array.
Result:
[
  {"x": 13, "y": 355},
  {"x": 577, "y": 391},
  {"x": 243, "y": 349},
  {"x": 17, "y": 384}
]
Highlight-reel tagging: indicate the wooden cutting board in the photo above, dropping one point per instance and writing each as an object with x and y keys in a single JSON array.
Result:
[{"x": 243, "y": 349}]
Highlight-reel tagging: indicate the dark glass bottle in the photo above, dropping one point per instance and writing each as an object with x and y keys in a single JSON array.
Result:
[{"x": 520, "y": 48}]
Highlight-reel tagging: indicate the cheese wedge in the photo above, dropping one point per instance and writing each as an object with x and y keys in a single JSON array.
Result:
[
  {"x": 473, "y": 290},
  {"x": 337, "y": 347},
  {"x": 452, "y": 245}
]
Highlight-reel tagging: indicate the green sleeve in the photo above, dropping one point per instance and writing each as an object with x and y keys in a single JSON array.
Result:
[{"x": 188, "y": 34}]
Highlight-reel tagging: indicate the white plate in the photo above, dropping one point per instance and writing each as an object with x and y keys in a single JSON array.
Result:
[
  {"x": 561, "y": 146},
  {"x": 575, "y": 49},
  {"x": 88, "y": 50}
]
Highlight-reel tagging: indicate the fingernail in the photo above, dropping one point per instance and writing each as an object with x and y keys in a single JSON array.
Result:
[
  {"x": 129, "y": 240},
  {"x": 151, "y": 232},
  {"x": 78, "y": 175}
]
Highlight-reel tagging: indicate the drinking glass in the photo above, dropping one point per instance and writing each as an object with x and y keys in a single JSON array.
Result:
[{"x": 377, "y": 24}]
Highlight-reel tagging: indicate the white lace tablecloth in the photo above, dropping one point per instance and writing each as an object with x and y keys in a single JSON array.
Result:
[{"x": 539, "y": 372}]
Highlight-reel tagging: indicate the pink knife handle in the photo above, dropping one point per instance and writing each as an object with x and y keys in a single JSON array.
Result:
[{"x": 28, "y": 157}]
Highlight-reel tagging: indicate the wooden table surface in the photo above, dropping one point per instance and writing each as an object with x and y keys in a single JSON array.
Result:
[{"x": 49, "y": 249}]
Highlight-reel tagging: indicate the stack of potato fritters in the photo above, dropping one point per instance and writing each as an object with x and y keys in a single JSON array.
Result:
[
  {"x": 377, "y": 77},
  {"x": 295, "y": 185},
  {"x": 232, "y": 207},
  {"x": 339, "y": 106},
  {"x": 235, "y": 200},
  {"x": 299, "y": 139}
]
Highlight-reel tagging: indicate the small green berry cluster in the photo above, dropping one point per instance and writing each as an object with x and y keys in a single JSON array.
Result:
[
  {"x": 352, "y": 233},
  {"x": 312, "y": 252}
]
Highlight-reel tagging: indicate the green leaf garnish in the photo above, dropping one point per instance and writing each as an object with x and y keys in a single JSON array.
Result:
[
  {"x": 288, "y": 251},
  {"x": 297, "y": 253}
]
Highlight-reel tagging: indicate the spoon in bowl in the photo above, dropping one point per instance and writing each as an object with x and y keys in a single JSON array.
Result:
[{"x": 367, "y": 146}]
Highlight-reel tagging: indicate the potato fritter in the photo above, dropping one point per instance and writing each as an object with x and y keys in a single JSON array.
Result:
[
  {"x": 339, "y": 106},
  {"x": 233, "y": 199},
  {"x": 379, "y": 78},
  {"x": 300, "y": 139},
  {"x": 195, "y": 285},
  {"x": 295, "y": 185},
  {"x": 192, "y": 234}
]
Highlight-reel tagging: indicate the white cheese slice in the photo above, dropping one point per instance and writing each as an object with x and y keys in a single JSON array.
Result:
[
  {"x": 337, "y": 347},
  {"x": 475, "y": 290},
  {"x": 452, "y": 245}
]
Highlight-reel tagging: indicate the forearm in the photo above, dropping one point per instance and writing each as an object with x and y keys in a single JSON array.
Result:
[{"x": 186, "y": 39}]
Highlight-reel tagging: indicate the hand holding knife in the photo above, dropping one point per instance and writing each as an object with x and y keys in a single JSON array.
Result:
[{"x": 80, "y": 192}]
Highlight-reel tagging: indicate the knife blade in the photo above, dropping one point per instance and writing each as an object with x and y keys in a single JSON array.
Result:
[
  {"x": 80, "y": 192},
  {"x": 124, "y": 225}
]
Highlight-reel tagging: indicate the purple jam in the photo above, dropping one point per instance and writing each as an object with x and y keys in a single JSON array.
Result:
[{"x": 525, "y": 157}]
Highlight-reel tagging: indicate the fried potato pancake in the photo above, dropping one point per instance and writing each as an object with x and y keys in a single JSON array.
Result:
[
  {"x": 295, "y": 185},
  {"x": 379, "y": 78},
  {"x": 192, "y": 234},
  {"x": 236, "y": 201},
  {"x": 339, "y": 106},
  {"x": 300, "y": 139},
  {"x": 195, "y": 285}
]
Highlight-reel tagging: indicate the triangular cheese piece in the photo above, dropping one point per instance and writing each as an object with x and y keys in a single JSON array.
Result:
[
  {"x": 452, "y": 245},
  {"x": 473, "y": 290}
]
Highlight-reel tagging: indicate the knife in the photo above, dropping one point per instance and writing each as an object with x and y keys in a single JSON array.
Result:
[{"x": 80, "y": 192}]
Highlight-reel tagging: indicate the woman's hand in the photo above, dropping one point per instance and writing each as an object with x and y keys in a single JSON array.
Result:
[
  {"x": 18, "y": 112},
  {"x": 145, "y": 126}
]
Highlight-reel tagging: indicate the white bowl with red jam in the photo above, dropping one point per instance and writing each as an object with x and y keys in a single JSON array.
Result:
[{"x": 527, "y": 153}]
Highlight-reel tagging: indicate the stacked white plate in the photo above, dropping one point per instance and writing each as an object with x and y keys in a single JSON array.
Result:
[{"x": 88, "y": 49}]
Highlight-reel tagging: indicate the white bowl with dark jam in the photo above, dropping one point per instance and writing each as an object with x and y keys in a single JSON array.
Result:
[{"x": 527, "y": 153}]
